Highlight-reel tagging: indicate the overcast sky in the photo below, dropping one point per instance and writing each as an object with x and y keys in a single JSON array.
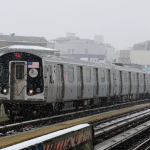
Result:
[{"x": 121, "y": 22}]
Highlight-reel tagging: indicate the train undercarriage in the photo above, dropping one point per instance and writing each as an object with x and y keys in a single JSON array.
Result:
[{"x": 33, "y": 110}]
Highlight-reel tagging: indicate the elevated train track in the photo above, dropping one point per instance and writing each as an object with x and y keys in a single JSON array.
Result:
[{"x": 104, "y": 117}]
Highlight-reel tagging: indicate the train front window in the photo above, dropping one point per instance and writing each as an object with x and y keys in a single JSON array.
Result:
[
  {"x": 19, "y": 72},
  {"x": 3, "y": 74}
]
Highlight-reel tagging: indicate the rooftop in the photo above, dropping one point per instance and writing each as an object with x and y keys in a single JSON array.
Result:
[{"x": 26, "y": 39}]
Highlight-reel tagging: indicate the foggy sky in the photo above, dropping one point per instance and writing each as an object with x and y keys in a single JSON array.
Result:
[{"x": 121, "y": 22}]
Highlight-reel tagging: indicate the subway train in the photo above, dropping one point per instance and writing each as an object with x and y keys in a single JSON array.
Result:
[{"x": 45, "y": 84}]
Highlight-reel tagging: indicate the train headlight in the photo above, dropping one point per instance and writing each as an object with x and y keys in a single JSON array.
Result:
[
  {"x": 4, "y": 90},
  {"x": 30, "y": 91},
  {"x": 38, "y": 90},
  {"x": 0, "y": 88}
]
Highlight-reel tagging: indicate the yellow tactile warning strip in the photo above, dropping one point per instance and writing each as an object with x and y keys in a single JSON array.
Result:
[{"x": 7, "y": 141}]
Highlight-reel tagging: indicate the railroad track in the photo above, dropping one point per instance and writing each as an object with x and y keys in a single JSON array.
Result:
[
  {"x": 131, "y": 132},
  {"x": 137, "y": 138},
  {"x": 37, "y": 123},
  {"x": 145, "y": 144},
  {"x": 109, "y": 129}
]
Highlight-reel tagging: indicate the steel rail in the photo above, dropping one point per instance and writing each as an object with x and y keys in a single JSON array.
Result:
[
  {"x": 112, "y": 143},
  {"x": 122, "y": 123},
  {"x": 142, "y": 145}
]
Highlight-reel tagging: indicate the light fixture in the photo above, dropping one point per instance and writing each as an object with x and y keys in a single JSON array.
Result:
[
  {"x": 30, "y": 91},
  {"x": 4, "y": 90},
  {"x": 38, "y": 90}
]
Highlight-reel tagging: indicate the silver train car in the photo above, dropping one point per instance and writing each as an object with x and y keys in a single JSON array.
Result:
[{"x": 44, "y": 84}]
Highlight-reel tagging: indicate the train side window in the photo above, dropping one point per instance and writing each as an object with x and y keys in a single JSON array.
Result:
[
  {"x": 79, "y": 74},
  {"x": 95, "y": 75},
  {"x": 61, "y": 73},
  {"x": 133, "y": 78},
  {"x": 57, "y": 73},
  {"x": 88, "y": 75},
  {"x": 50, "y": 73},
  {"x": 102, "y": 76},
  {"x": 70, "y": 74},
  {"x": 141, "y": 78},
  {"x": 19, "y": 72},
  {"x": 125, "y": 78}
]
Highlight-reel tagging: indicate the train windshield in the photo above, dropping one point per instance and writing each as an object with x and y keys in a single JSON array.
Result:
[{"x": 3, "y": 74}]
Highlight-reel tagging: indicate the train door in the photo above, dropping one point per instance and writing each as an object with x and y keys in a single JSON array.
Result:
[
  {"x": 120, "y": 82},
  {"x": 17, "y": 81},
  {"x": 95, "y": 79},
  {"x": 80, "y": 82},
  {"x": 108, "y": 82},
  {"x": 60, "y": 82},
  {"x": 129, "y": 82}
]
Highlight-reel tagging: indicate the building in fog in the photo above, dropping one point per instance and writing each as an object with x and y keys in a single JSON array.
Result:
[
  {"x": 74, "y": 47},
  {"x": 140, "y": 54},
  {"x": 111, "y": 55},
  {"x": 6, "y": 40},
  {"x": 140, "y": 57},
  {"x": 98, "y": 39},
  {"x": 124, "y": 57},
  {"x": 142, "y": 46}
]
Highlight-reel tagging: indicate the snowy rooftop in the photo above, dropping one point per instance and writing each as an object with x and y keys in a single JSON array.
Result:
[
  {"x": 25, "y": 39},
  {"x": 29, "y": 47}
]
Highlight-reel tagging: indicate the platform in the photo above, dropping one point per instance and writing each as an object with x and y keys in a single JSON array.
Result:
[{"x": 14, "y": 139}]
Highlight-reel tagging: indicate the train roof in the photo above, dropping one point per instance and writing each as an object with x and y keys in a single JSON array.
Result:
[
  {"x": 23, "y": 48},
  {"x": 45, "y": 137},
  {"x": 127, "y": 68},
  {"x": 52, "y": 58}
]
